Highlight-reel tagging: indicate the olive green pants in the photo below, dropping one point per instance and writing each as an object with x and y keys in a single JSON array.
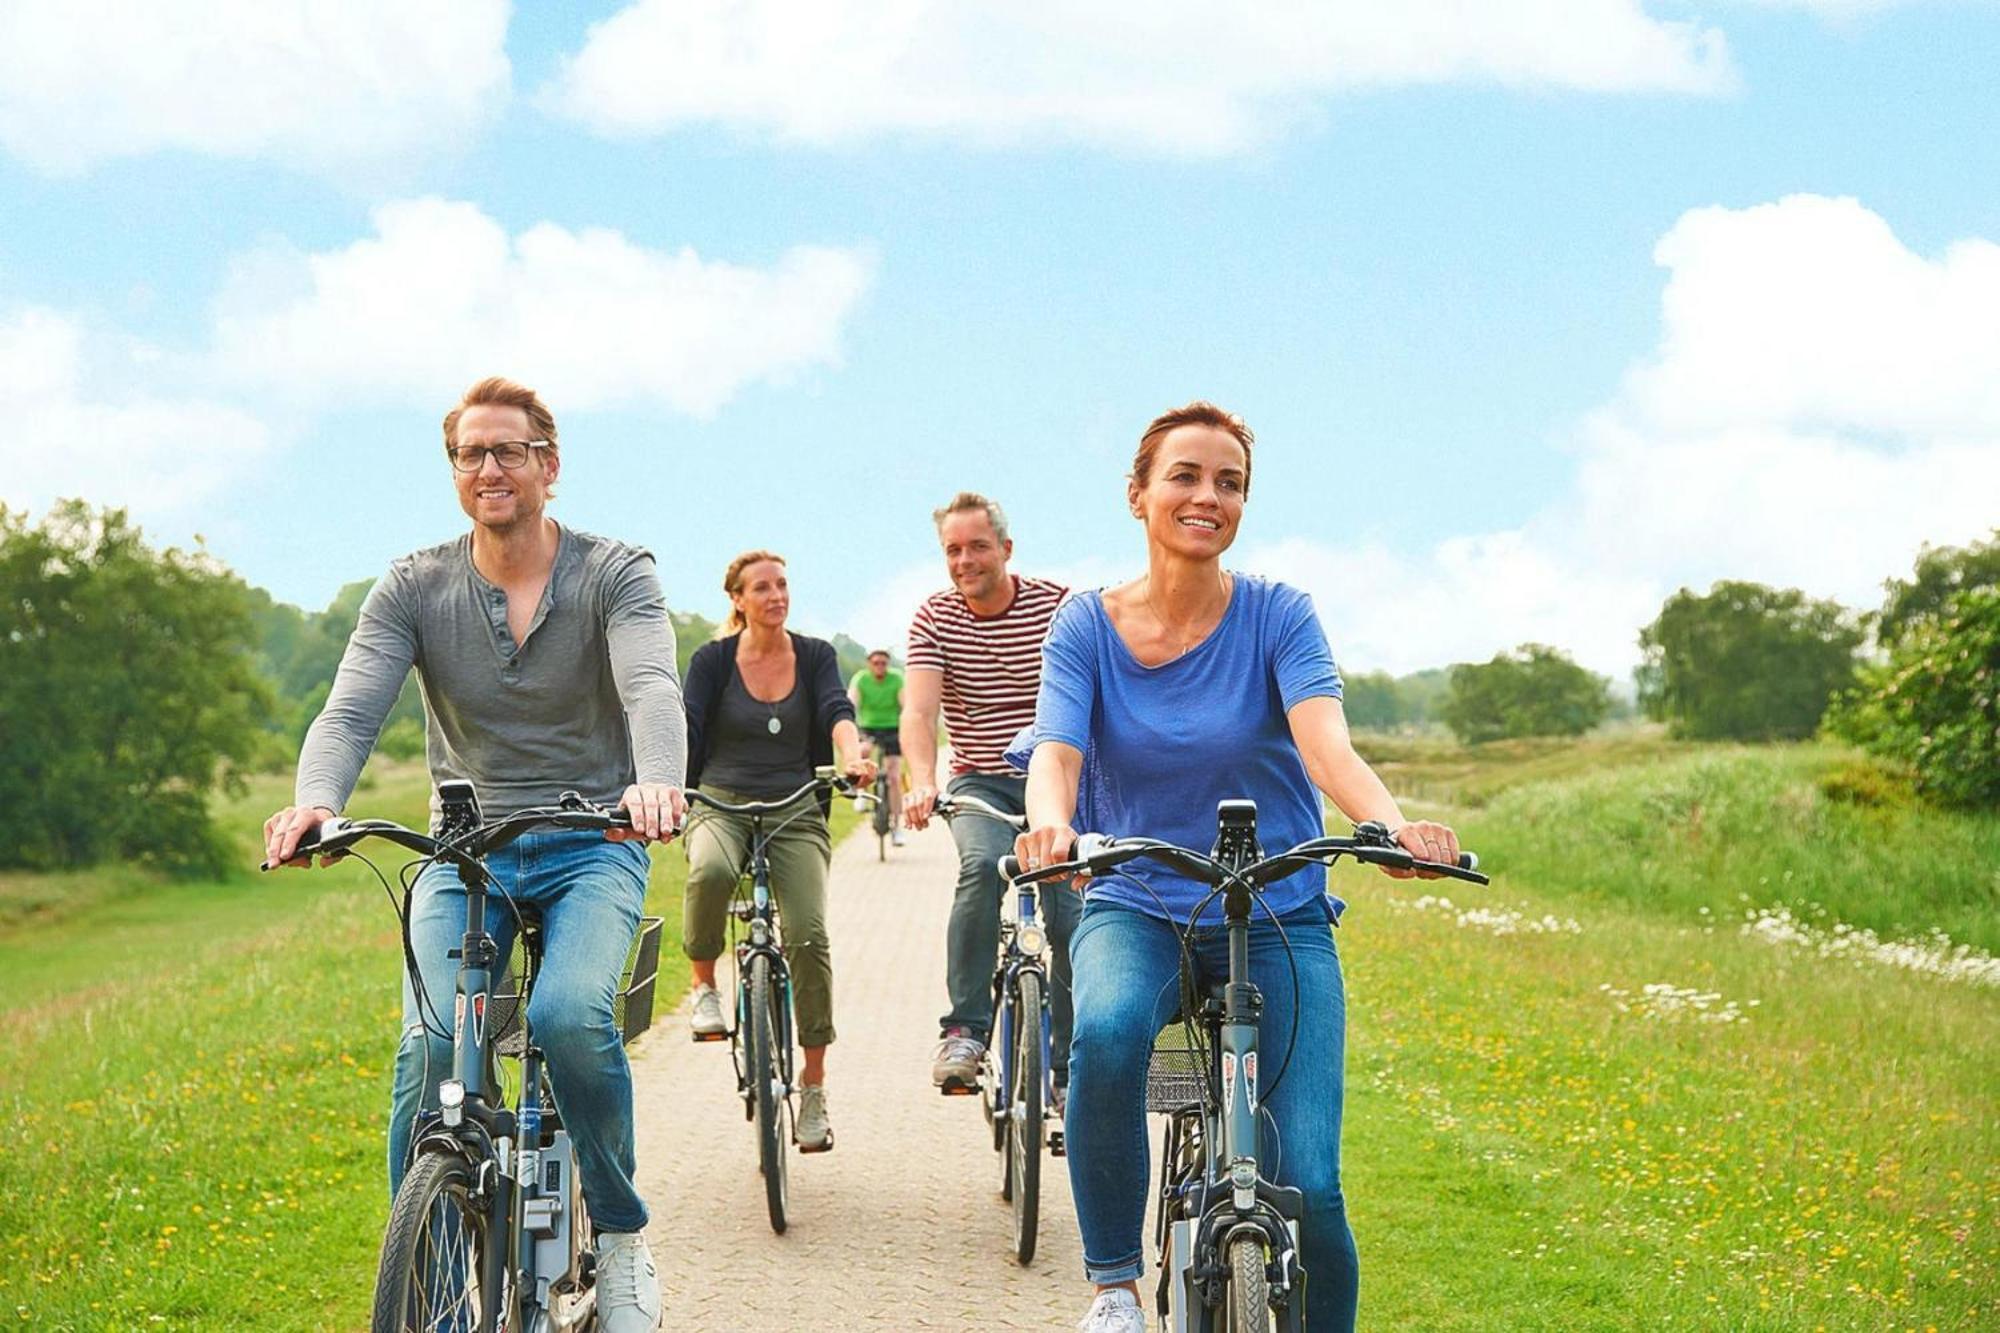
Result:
[{"x": 718, "y": 849}]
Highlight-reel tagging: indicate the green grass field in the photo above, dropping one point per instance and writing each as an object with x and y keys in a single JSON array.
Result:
[{"x": 1798, "y": 1127}]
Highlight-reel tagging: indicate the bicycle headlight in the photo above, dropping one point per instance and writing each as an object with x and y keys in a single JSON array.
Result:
[
  {"x": 1031, "y": 939},
  {"x": 451, "y": 1100}
]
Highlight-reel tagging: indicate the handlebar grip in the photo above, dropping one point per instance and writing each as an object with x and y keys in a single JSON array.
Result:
[
  {"x": 1010, "y": 866},
  {"x": 1468, "y": 860}
]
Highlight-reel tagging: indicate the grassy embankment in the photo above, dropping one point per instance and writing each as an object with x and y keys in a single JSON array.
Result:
[
  {"x": 1797, "y": 1128},
  {"x": 1800, "y": 1130}
]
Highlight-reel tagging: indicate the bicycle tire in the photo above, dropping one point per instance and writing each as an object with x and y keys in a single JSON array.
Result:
[
  {"x": 771, "y": 1106},
  {"x": 434, "y": 1254},
  {"x": 1249, "y": 1306},
  {"x": 880, "y": 819},
  {"x": 1024, "y": 1120}
]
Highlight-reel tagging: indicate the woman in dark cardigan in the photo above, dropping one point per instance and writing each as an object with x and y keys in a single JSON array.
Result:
[{"x": 765, "y": 708}]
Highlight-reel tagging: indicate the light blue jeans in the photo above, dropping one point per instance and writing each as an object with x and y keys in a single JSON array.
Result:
[
  {"x": 590, "y": 894},
  {"x": 1127, "y": 975}
]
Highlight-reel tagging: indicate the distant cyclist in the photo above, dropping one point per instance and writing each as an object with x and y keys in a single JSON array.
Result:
[
  {"x": 877, "y": 695},
  {"x": 976, "y": 652},
  {"x": 547, "y": 664}
]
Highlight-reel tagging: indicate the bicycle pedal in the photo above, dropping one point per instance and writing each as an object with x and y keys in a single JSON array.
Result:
[
  {"x": 1056, "y": 1146},
  {"x": 710, "y": 1036},
  {"x": 953, "y": 1088},
  {"x": 824, "y": 1147}
]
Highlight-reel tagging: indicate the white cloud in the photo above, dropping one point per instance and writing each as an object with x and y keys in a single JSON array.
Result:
[
  {"x": 440, "y": 294},
  {"x": 1822, "y": 402},
  {"x": 157, "y": 455},
  {"x": 1180, "y": 77},
  {"x": 333, "y": 83}
]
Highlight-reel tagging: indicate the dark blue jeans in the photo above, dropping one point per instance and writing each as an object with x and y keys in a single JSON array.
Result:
[
  {"x": 590, "y": 893},
  {"x": 972, "y": 940},
  {"x": 1126, "y": 966}
]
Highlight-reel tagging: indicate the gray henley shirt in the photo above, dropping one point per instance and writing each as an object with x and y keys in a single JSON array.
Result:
[{"x": 588, "y": 701}]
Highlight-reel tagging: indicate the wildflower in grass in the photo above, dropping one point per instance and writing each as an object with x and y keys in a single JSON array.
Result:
[
  {"x": 1931, "y": 955},
  {"x": 1501, "y": 921},
  {"x": 1661, "y": 1000}
]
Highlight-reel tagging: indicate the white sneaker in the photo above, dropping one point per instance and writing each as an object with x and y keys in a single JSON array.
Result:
[
  {"x": 628, "y": 1288},
  {"x": 860, "y": 804},
  {"x": 814, "y": 1131},
  {"x": 895, "y": 837},
  {"x": 707, "y": 1020},
  {"x": 1115, "y": 1310}
]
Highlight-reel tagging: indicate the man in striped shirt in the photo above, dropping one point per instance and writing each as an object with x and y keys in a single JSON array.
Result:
[{"x": 976, "y": 649}]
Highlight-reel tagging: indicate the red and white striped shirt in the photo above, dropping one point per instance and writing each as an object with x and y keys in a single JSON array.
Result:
[{"x": 992, "y": 667}]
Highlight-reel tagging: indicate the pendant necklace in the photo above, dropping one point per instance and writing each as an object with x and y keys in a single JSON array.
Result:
[{"x": 1187, "y": 646}]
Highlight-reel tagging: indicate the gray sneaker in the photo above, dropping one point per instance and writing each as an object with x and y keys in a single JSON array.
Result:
[
  {"x": 1115, "y": 1310},
  {"x": 706, "y": 1022},
  {"x": 814, "y": 1131},
  {"x": 955, "y": 1067},
  {"x": 628, "y": 1288}
]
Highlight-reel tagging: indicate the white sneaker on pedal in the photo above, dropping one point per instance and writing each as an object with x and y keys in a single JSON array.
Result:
[
  {"x": 895, "y": 837},
  {"x": 628, "y": 1288},
  {"x": 707, "y": 1020},
  {"x": 814, "y": 1131},
  {"x": 1115, "y": 1310}
]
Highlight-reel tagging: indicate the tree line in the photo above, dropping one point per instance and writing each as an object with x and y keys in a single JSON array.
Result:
[{"x": 136, "y": 682}]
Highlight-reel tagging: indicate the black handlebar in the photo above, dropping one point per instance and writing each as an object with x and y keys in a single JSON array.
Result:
[
  {"x": 1095, "y": 855},
  {"x": 334, "y": 836}
]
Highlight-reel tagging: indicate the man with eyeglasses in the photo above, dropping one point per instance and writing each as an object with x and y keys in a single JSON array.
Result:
[{"x": 546, "y": 660}]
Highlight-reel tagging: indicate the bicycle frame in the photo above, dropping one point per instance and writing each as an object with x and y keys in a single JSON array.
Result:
[
  {"x": 766, "y": 938},
  {"x": 1232, "y": 1196},
  {"x": 1016, "y": 933}
]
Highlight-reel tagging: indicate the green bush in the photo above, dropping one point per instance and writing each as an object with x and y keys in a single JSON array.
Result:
[
  {"x": 1935, "y": 705},
  {"x": 1533, "y": 691}
]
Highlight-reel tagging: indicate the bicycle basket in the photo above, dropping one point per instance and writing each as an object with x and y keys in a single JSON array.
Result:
[
  {"x": 1174, "y": 1078},
  {"x": 631, "y": 1007}
]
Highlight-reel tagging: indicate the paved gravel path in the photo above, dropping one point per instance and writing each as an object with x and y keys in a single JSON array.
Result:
[{"x": 902, "y": 1225}]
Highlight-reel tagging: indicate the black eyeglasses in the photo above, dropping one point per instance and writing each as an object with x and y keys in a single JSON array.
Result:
[{"x": 509, "y": 454}]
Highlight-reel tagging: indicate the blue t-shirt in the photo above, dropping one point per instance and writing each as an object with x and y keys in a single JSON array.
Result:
[{"x": 1163, "y": 745}]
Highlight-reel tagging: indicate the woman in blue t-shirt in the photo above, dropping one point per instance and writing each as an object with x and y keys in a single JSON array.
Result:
[{"x": 1160, "y": 698}]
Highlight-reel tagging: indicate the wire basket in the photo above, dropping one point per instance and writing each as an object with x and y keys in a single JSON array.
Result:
[
  {"x": 1175, "y": 1078},
  {"x": 631, "y": 1007}
]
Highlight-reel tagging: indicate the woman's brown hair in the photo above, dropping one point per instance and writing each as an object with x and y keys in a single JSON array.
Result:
[
  {"x": 1197, "y": 413},
  {"x": 732, "y": 583}
]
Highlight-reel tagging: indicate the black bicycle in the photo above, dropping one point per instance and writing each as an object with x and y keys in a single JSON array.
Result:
[
  {"x": 1228, "y": 1236},
  {"x": 1017, "y": 1072},
  {"x": 488, "y": 1230},
  {"x": 760, "y": 1040}
]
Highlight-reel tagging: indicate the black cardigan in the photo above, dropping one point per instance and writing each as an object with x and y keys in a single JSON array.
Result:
[{"x": 826, "y": 699}]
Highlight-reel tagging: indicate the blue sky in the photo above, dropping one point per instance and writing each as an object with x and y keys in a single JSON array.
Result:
[{"x": 1540, "y": 311}]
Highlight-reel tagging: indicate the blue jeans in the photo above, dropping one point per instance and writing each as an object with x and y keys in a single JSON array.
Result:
[
  {"x": 972, "y": 940},
  {"x": 590, "y": 894},
  {"x": 1127, "y": 970}
]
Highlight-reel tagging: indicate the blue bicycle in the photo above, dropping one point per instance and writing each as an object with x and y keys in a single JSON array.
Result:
[{"x": 1017, "y": 1088}]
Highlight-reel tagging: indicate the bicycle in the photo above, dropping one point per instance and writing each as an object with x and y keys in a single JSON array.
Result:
[
  {"x": 1017, "y": 1072},
  {"x": 1228, "y": 1236},
  {"x": 880, "y": 817},
  {"x": 760, "y": 1041},
  {"x": 489, "y": 1230}
]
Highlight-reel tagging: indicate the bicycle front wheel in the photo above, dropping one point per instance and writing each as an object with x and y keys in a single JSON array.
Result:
[
  {"x": 1249, "y": 1307},
  {"x": 772, "y": 1107},
  {"x": 1024, "y": 1115},
  {"x": 432, "y": 1274}
]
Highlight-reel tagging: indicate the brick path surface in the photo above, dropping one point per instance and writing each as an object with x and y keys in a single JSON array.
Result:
[{"x": 902, "y": 1224}]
